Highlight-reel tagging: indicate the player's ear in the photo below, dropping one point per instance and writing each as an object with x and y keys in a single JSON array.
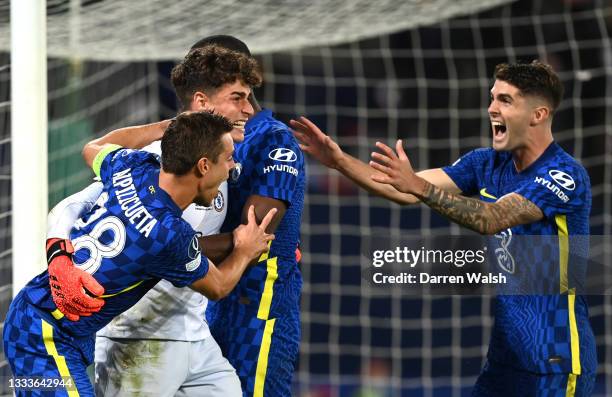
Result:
[
  {"x": 540, "y": 115},
  {"x": 199, "y": 101},
  {"x": 202, "y": 167}
]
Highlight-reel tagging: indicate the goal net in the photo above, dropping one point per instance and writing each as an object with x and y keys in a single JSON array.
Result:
[{"x": 363, "y": 71}]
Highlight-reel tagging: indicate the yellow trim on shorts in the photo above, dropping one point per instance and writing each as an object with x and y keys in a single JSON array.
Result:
[
  {"x": 561, "y": 221},
  {"x": 575, "y": 345},
  {"x": 570, "y": 390},
  {"x": 262, "y": 359},
  {"x": 97, "y": 163},
  {"x": 263, "y": 313},
  {"x": 60, "y": 361},
  {"x": 131, "y": 287}
]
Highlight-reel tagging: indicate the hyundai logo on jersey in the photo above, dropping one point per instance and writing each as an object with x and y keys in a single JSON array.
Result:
[
  {"x": 563, "y": 179},
  {"x": 282, "y": 154}
]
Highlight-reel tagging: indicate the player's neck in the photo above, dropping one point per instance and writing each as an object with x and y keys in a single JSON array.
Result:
[
  {"x": 526, "y": 155},
  {"x": 179, "y": 190}
]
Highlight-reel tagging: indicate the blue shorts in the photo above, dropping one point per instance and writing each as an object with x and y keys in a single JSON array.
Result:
[
  {"x": 498, "y": 380},
  {"x": 34, "y": 348},
  {"x": 263, "y": 352}
]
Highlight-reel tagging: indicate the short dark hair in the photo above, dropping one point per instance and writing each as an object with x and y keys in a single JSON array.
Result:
[
  {"x": 225, "y": 41},
  {"x": 191, "y": 136},
  {"x": 209, "y": 68},
  {"x": 232, "y": 43},
  {"x": 535, "y": 78}
]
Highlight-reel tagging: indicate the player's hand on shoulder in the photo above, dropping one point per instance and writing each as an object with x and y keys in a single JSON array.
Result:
[
  {"x": 316, "y": 143},
  {"x": 69, "y": 283},
  {"x": 251, "y": 239}
]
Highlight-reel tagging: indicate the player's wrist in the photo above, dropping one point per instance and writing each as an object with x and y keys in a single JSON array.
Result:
[
  {"x": 58, "y": 247},
  {"x": 341, "y": 162},
  {"x": 163, "y": 125},
  {"x": 417, "y": 186},
  {"x": 243, "y": 254}
]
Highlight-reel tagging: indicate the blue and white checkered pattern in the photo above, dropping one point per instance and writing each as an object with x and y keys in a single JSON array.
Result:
[
  {"x": 271, "y": 164},
  {"x": 239, "y": 333},
  {"x": 497, "y": 380},
  {"x": 29, "y": 356},
  {"x": 532, "y": 332},
  {"x": 168, "y": 250}
]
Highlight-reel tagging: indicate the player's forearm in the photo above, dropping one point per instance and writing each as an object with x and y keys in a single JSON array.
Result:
[
  {"x": 231, "y": 269},
  {"x": 135, "y": 137},
  {"x": 217, "y": 247},
  {"x": 361, "y": 173},
  {"x": 221, "y": 280},
  {"x": 479, "y": 216}
]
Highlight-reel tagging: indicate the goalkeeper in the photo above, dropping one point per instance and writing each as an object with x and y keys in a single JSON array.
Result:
[{"x": 528, "y": 185}]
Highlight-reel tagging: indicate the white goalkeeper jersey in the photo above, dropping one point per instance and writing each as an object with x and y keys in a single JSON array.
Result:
[{"x": 167, "y": 312}]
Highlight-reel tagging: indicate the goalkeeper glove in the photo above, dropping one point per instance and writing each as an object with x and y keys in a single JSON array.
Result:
[
  {"x": 298, "y": 255},
  {"x": 69, "y": 284}
]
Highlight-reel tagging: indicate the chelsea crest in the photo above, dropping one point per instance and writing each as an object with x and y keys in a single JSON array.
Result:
[{"x": 219, "y": 202}]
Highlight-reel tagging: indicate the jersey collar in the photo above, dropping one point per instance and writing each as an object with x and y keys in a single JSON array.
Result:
[
  {"x": 161, "y": 194},
  {"x": 547, "y": 154},
  {"x": 256, "y": 119}
]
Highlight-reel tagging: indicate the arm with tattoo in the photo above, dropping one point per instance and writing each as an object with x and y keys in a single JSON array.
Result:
[{"x": 480, "y": 216}]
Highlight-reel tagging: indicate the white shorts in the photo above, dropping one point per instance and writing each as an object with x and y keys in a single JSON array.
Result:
[{"x": 126, "y": 367}]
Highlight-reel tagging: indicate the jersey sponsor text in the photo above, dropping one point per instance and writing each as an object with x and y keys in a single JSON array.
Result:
[
  {"x": 552, "y": 187},
  {"x": 281, "y": 167}
]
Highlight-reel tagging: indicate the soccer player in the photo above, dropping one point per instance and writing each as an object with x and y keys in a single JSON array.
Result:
[
  {"x": 133, "y": 237},
  {"x": 541, "y": 345},
  {"x": 257, "y": 326}
]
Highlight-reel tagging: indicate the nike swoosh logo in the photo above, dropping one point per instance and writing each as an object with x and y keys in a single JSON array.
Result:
[{"x": 483, "y": 193}]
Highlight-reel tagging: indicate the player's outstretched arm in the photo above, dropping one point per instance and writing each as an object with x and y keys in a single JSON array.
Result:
[
  {"x": 320, "y": 146},
  {"x": 250, "y": 241},
  {"x": 135, "y": 137},
  {"x": 480, "y": 216}
]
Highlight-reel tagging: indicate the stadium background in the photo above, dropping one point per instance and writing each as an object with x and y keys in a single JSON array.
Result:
[{"x": 427, "y": 84}]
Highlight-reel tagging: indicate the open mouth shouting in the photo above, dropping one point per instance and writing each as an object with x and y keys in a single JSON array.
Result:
[{"x": 499, "y": 130}]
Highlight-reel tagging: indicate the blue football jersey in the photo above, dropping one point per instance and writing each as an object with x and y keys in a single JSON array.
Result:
[
  {"x": 537, "y": 331},
  {"x": 269, "y": 163},
  {"x": 132, "y": 237}
]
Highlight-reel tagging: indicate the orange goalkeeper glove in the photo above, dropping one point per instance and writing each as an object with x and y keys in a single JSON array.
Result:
[
  {"x": 298, "y": 253},
  {"x": 69, "y": 284}
]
